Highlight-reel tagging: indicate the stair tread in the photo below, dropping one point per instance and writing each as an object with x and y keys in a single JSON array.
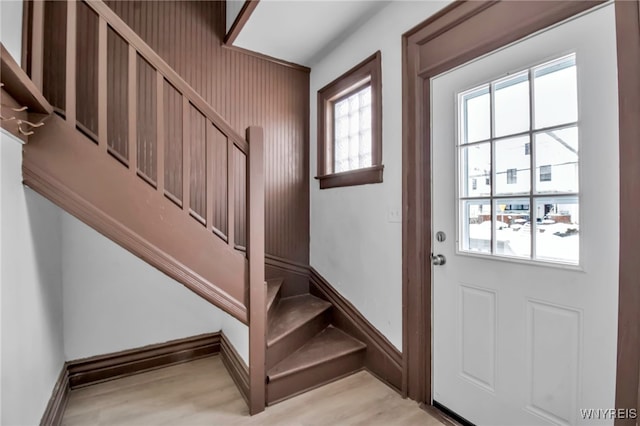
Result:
[
  {"x": 329, "y": 344},
  {"x": 273, "y": 286},
  {"x": 292, "y": 313}
]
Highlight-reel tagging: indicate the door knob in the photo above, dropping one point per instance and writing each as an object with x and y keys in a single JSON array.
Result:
[{"x": 438, "y": 259}]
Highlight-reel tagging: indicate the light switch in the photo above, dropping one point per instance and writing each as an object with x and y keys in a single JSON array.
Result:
[{"x": 394, "y": 216}]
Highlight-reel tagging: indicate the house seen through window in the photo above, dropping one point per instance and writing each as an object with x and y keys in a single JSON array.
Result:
[{"x": 518, "y": 183}]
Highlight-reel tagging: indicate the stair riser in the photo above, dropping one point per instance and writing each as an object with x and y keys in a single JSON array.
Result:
[
  {"x": 272, "y": 308},
  {"x": 313, "y": 377},
  {"x": 294, "y": 341}
]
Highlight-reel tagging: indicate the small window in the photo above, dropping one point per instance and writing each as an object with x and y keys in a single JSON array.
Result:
[
  {"x": 350, "y": 127},
  {"x": 352, "y": 131},
  {"x": 512, "y": 176},
  {"x": 474, "y": 184},
  {"x": 545, "y": 173},
  {"x": 527, "y": 148}
]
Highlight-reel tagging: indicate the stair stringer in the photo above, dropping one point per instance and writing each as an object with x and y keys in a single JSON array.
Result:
[{"x": 79, "y": 176}]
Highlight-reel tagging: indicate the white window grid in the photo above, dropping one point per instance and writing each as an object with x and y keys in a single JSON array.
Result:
[{"x": 493, "y": 199}]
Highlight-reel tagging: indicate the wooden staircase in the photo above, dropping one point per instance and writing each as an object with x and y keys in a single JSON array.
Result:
[
  {"x": 129, "y": 148},
  {"x": 143, "y": 159},
  {"x": 303, "y": 349}
]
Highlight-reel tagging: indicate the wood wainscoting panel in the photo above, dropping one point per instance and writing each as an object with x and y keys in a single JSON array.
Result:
[
  {"x": 382, "y": 359},
  {"x": 132, "y": 214},
  {"x": 247, "y": 90}
]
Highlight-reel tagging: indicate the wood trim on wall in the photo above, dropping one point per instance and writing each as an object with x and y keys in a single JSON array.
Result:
[
  {"x": 268, "y": 58},
  {"x": 243, "y": 17},
  {"x": 57, "y": 192},
  {"x": 235, "y": 365},
  {"x": 58, "y": 402},
  {"x": 459, "y": 33},
  {"x": 246, "y": 89},
  {"x": 628, "y": 366},
  {"x": 382, "y": 359},
  {"x": 294, "y": 274},
  {"x": 368, "y": 72},
  {"x": 97, "y": 369},
  {"x": 102, "y": 368}
]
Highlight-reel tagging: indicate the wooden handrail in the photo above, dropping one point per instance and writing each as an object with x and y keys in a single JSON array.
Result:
[{"x": 144, "y": 50}]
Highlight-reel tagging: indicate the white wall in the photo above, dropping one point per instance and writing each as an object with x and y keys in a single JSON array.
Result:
[
  {"x": 67, "y": 292},
  {"x": 31, "y": 293},
  {"x": 356, "y": 234},
  {"x": 238, "y": 335},
  {"x": 115, "y": 301},
  {"x": 11, "y": 27},
  {"x": 233, "y": 9},
  {"x": 31, "y": 342}
]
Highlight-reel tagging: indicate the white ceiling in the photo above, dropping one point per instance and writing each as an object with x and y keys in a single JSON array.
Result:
[{"x": 302, "y": 31}]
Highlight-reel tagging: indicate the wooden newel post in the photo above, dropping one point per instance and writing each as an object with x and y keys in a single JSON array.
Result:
[{"x": 255, "y": 254}]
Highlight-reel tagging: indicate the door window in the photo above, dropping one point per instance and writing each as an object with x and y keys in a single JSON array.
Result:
[{"x": 518, "y": 165}]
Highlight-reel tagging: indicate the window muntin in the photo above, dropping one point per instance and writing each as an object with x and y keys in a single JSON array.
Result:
[{"x": 519, "y": 136}]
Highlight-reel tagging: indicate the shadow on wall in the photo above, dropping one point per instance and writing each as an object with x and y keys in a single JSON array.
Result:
[{"x": 46, "y": 243}]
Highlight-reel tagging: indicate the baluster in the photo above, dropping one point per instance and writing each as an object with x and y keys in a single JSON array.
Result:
[
  {"x": 133, "y": 111},
  {"x": 70, "y": 83},
  {"x": 255, "y": 253},
  {"x": 37, "y": 44},
  {"x": 102, "y": 84},
  {"x": 186, "y": 155},
  {"x": 160, "y": 130},
  {"x": 231, "y": 195}
]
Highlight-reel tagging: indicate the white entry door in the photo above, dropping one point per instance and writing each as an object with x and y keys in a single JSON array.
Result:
[{"x": 525, "y": 196}]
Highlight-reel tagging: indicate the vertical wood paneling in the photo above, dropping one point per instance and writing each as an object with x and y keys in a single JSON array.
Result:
[
  {"x": 240, "y": 209},
  {"x": 70, "y": 64},
  {"x": 102, "y": 88},
  {"x": 246, "y": 91},
  {"x": 132, "y": 94},
  {"x": 159, "y": 112},
  {"x": 146, "y": 120},
  {"x": 87, "y": 70},
  {"x": 34, "y": 51},
  {"x": 117, "y": 98},
  {"x": 173, "y": 142},
  {"x": 54, "y": 46},
  {"x": 218, "y": 167},
  {"x": 197, "y": 172}
]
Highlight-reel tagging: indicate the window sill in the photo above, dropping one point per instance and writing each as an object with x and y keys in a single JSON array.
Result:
[{"x": 352, "y": 177}]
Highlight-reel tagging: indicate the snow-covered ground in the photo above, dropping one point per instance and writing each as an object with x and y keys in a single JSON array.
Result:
[{"x": 554, "y": 241}]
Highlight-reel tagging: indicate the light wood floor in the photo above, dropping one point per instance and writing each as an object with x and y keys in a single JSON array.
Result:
[{"x": 202, "y": 393}]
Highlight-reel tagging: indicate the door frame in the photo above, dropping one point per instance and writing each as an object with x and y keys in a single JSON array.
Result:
[{"x": 459, "y": 33}]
